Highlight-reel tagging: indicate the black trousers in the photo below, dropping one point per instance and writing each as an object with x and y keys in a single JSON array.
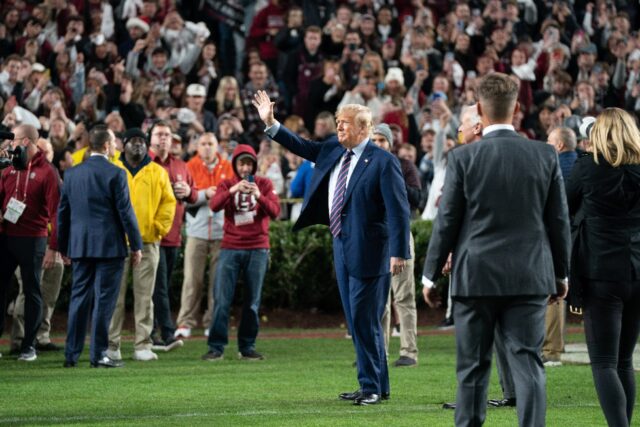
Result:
[
  {"x": 161, "y": 302},
  {"x": 612, "y": 325},
  {"x": 26, "y": 253}
]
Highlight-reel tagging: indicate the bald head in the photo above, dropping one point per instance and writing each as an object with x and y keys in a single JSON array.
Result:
[
  {"x": 26, "y": 134},
  {"x": 563, "y": 139}
]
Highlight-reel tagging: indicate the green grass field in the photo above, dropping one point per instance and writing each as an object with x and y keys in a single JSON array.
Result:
[{"x": 297, "y": 385}]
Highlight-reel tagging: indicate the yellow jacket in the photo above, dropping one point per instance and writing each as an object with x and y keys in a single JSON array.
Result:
[
  {"x": 79, "y": 156},
  {"x": 153, "y": 201}
]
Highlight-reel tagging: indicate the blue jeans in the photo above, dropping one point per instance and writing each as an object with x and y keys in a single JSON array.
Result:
[{"x": 253, "y": 264}]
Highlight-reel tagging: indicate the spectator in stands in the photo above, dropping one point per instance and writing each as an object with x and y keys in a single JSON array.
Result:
[
  {"x": 185, "y": 192},
  {"x": 249, "y": 202},
  {"x": 120, "y": 97},
  {"x": 204, "y": 235},
  {"x": 154, "y": 205},
  {"x": 288, "y": 40},
  {"x": 205, "y": 70},
  {"x": 203, "y": 120},
  {"x": 227, "y": 98},
  {"x": 266, "y": 25},
  {"x": 259, "y": 79},
  {"x": 325, "y": 92},
  {"x": 12, "y": 78},
  {"x": 303, "y": 66}
]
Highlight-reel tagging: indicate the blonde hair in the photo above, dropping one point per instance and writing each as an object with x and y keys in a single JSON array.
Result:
[
  {"x": 615, "y": 135},
  {"x": 220, "y": 92},
  {"x": 361, "y": 115}
]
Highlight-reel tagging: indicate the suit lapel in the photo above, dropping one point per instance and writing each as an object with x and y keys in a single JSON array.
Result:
[
  {"x": 362, "y": 164},
  {"x": 324, "y": 167}
]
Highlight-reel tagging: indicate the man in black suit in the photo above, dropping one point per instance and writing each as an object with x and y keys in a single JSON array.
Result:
[
  {"x": 95, "y": 217},
  {"x": 503, "y": 214}
]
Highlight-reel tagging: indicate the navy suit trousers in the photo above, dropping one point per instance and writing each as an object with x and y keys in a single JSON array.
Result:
[
  {"x": 95, "y": 281},
  {"x": 363, "y": 301}
]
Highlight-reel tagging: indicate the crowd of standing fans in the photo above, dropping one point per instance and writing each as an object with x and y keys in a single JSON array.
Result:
[{"x": 173, "y": 81}]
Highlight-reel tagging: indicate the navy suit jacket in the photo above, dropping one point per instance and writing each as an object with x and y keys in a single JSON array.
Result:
[
  {"x": 375, "y": 215},
  {"x": 95, "y": 212}
]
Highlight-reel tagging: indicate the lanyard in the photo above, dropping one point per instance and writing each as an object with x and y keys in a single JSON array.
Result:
[{"x": 26, "y": 183}]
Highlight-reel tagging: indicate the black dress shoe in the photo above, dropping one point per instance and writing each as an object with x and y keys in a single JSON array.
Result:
[
  {"x": 107, "y": 362},
  {"x": 500, "y": 403},
  {"x": 449, "y": 405},
  {"x": 48, "y": 347},
  {"x": 350, "y": 395},
  {"x": 367, "y": 399},
  {"x": 70, "y": 364},
  {"x": 354, "y": 395}
]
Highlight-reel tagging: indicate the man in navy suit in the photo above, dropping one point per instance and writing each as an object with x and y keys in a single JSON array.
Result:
[
  {"x": 95, "y": 217},
  {"x": 358, "y": 190}
]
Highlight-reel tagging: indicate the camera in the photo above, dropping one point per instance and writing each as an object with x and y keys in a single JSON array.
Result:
[{"x": 16, "y": 157}]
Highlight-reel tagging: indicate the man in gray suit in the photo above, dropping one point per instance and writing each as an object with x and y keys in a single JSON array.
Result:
[{"x": 503, "y": 214}]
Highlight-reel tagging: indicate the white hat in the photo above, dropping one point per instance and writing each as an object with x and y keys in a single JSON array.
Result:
[
  {"x": 137, "y": 22},
  {"x": 586, "y": 126},
  {"x": 99, "y": 39},
  {"x": 634, "y": 55},
  {"x": 396, "y": 74},
  {"x": 196, "y": 89},
  {"x": 38, "y": 68}
]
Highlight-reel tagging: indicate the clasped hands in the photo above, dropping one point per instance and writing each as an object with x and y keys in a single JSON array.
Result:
[{"x": 246, "y": 187}]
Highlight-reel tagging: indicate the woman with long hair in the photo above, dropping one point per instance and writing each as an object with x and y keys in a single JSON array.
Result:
[
  {"x": 227, "y": 98},
  {"x": 605, "y": 184}
]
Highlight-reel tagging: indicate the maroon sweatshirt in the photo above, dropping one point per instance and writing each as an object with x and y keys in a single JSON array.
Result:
[
  {"x": 42, "y": 184},
  {"x": 177, "y": 170},
  {"x": 246, "y": 220}
]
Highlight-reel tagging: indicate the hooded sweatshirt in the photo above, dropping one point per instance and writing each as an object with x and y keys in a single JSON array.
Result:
[{"x": 246, "y": 219}]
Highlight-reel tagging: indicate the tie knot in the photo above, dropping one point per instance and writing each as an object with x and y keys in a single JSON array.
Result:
[{"x": 348, "y": 154}]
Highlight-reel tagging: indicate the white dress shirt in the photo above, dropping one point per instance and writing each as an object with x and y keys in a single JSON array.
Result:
[
  {"x": 333, "y": 179},
  {"x": 493, "y": 128}
]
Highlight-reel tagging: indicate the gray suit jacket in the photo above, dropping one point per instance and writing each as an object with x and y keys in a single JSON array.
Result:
[{"x": 503, "y": 214}]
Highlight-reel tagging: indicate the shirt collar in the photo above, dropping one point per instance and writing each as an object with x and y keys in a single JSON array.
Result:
[
  {"x": 493, "y": 128},
  {"x": 359, "y": 149},
  {"x": 99, "y": 154}
]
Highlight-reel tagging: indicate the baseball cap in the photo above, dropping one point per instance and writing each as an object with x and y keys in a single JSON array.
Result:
[{"x": 196, "y": 89}]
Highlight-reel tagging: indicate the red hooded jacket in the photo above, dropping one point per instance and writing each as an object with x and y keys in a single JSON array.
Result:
[{"x": 246, "y": 219}]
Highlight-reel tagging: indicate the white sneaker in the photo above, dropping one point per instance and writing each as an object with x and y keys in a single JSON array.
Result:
[
  {"x": 28, "y": 356},
  {"x": 206, "y": 332},
  {"x": 144, "y": 355},
  {"x": 182, "y": 332},
  {"x": 113, "y": 354},
  {"x": 395, "y": 331},
  {"x": 173, "y": 345}
]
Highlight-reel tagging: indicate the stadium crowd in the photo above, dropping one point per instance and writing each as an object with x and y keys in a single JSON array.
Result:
[{"x": 180, "y": 78}]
